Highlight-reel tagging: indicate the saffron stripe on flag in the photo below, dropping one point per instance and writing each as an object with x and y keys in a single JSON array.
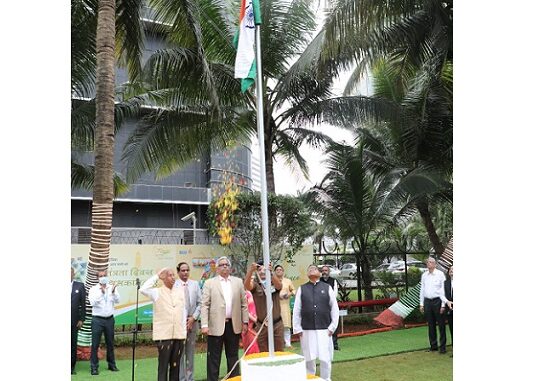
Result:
[{"x": 245, "y": 60}]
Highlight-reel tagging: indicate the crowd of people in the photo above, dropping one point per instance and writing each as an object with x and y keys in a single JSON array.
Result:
[{"x": 229, "y": 310}]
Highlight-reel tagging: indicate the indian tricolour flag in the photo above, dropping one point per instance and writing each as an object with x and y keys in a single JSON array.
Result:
[{"x": 245, "y": 61}]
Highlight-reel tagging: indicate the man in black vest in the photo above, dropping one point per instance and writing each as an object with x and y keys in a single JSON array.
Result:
[
  {"x": 78, "y": 315},
  {"x": 335, "y": 287},
  {"x": 315, "y": 318}
]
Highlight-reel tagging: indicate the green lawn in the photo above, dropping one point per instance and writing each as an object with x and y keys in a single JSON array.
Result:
[
  {"x": 360, "y": 358},
  {"x": 409, "y": 366}
]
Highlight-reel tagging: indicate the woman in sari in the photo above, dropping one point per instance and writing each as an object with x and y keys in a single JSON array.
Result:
[{"x": 250, "y": 335}]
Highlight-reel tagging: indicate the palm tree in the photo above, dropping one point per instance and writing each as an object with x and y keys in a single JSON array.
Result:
[
  {"x": 418, "y": 138},
  {"x": 187, "y": 121},
  {"x": 415, "y": 36},
  {"x": 350, "y": 198},
  {"x": 102, "y": 195},
  {"x": 361, "y": 32},
  {"x": 97, "y": 42},
  {"x": 103, "y": 33},
  {"x": 128, "y": 41},
  {"x": 411, "y": 115}
]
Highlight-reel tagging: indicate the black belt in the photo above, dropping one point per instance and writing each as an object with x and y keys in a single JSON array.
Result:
[
  {"x": 102, "y": 317},
  {"x": 274, "y": 321},
  {"x": 432, "y": 300},
  {"x": 228, "y": 320}
]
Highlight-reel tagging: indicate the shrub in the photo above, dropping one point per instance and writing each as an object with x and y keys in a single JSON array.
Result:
[
  {"x": 125, "y": 340},
  {"x": 344, "y": 293}
]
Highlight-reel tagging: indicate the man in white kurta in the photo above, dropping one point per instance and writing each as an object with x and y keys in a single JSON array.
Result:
[
  {"x": 315, "y": 318},
  {"x": 168, "y": 322}
]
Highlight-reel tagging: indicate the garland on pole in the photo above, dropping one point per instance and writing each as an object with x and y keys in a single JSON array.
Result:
[{"x": 223, "y": 209}]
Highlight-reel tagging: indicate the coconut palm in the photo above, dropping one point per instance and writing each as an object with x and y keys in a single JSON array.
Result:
[
  {"x": 350, "y": 198},
  {"x": 104, "y": 32},
  {"x": 128, "y": 40},
  {"x": 410, "y": 115},
  {"x": 361, "y": 32},
  {"x": 187, "y": 122},
  {"x": 102, "y": 195},
  {"x": 418, "y": 137}
]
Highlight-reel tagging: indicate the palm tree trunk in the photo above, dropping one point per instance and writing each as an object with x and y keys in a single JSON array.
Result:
[
  {"x": 102, "y": 201},
  {"x": 102, "y": 198},
  {"x": 269, "y": 175},
  {"x": 367, "y": 277},
  {"x": 423, "y": 209}
]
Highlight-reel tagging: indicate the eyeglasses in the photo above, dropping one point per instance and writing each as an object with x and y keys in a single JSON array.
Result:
[{"x": 224, "y": 265}]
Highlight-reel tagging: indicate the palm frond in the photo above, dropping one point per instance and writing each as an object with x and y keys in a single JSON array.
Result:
[
  {"x": 82, "y": 177},
  {"x": 347, "y": 112},
  {"x": 184, "y": 17},
  {"x": 83, "y": 47},
  {"x": 293, "y": 21},
  {"x": 370, "y": 29},
  {"x": 129, "y": 35},
  {"x": 167, "y": 139}
]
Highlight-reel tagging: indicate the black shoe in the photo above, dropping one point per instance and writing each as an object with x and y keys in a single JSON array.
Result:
[
  {"x": 431, "y": 350},
  {"x": 113, "y": 368},
  {"x": 337, "y": 348},
  {"x": 94, "y": 372},
  {"x": 74, "y": 372},
  {"x": 442, "y": 352}
]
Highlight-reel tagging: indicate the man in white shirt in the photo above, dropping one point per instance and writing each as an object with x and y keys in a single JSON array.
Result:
[
  {"x": 168, "y": 322},
  {"x": 432, "y": 304},
  {"x": 315, "y": 318},
  {"x": 192, "y": 294},
  {"x": 103, "y": 297},
  {"x": 224, "y": 315}
]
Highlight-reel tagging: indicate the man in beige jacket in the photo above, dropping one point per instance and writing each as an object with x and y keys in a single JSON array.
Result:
[
  {"x": 224, "y": 315},
  {"x": 168, "y": 322}
]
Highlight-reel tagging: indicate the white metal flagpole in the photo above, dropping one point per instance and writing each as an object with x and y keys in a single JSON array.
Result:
[{"x": 265, "y": 221}]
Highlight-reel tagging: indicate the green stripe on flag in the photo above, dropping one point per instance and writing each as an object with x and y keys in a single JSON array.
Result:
[
  {"x": 249, "y": 81},
  {"x": 257, "y": 13}
]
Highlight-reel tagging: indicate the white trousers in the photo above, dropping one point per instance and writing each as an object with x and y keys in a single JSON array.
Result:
[
  {"x": 287, "y": 337},
  {"x": 325, "y": 369}
]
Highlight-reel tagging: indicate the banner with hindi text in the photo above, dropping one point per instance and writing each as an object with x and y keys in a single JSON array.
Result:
[{"x": 128, "y": 262}]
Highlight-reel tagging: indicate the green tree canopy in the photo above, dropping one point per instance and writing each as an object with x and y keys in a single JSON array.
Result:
[{"x": 288, "y": 229}]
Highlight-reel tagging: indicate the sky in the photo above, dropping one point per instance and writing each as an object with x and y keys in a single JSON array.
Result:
[{"x": 288, "y": 181}]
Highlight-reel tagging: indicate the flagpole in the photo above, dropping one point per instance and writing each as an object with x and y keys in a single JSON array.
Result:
[{"x": 263, "y": 193}]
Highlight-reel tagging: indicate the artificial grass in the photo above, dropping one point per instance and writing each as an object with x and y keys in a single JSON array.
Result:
[{"x": 352, "y": 348}]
